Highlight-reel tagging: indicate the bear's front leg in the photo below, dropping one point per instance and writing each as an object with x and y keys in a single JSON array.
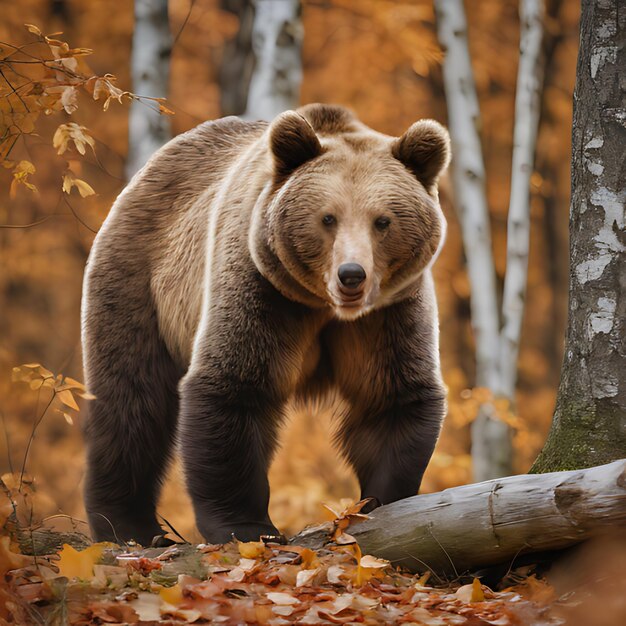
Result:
[
  {"x": 227, "y": 437},
  {"x": 232, "y": 401},
  {"x": 387, "y": 366},
  {"x": 390, "y": 447}
]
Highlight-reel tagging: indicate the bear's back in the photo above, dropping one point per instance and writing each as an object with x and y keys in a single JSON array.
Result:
[{"x": 158, "y": 225}]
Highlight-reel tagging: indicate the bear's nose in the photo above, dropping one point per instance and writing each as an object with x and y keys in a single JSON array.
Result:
[{"x": 351, "y": 275}]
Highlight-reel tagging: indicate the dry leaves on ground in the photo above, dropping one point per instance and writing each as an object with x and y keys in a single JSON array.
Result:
[{"x": 240, "y": 583}]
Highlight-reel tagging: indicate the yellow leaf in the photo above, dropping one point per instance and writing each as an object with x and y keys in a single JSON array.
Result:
[
  {"x": 79, "y": 564},
  {"x": 68, "y": 399},
  {"x": 172, "y": 595},
  {"x": 21, "y": 172},
  {"x": 369, "y": 567},
  {"x": 251, "y": 549},
  {"x": 69, "y": 181},
  {"x": 471, "y": 593},
  {"x": 84, "y": 189},
  {"x": 61, "y": 138},
  {"x": 477, "y": 591},
  {"x": 76, "y": 133},
  {"x": 33, "y": 29},
  {"x": 31, "y": 372},
  {"x": 23, "y": 168},
  {"x": 19, "y": 375},
  {"x": 71, "y": 383}
]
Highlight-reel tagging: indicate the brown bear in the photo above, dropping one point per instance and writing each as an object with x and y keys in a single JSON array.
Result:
[{"x": 247, "y": 264}]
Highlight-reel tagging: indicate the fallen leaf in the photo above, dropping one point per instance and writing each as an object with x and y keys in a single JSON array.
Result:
[
  {"x": 251, "y": 549},
  {"x": 281, "y": 598},
  {"x": 471, "y": 593},
  {"x": 8, "y": 558},
  {"x": 305, "y": 576},
  {"x": 334, "y": 574},
  {"x": 172, "y": 595},
  {"x": 147, "y": 606},
  {"x": 371, "y": 562},
  {"x": 79, "y": 564},
  {"x": 109, "y": 576}
]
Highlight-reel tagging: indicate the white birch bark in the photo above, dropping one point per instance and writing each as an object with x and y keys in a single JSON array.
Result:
[
  {"x": 475, "y": 526},
  {"x": 491, "y": 441},
  {"x": 150, "y": 65},
  {"x": 527, "y": 105},
  {"x": 589, "y": 424},
  {"x": 277, "y": 43}
]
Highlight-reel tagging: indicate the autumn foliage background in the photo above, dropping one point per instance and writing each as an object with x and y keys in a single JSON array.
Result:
[{"x": 380, "y": 58}]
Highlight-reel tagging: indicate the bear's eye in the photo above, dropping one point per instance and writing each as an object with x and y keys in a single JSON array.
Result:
[
  {"x": 328, "y": 220},
  {"x": 382, "y": 223}
]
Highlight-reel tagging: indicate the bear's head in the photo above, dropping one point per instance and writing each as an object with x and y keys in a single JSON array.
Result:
[{"x": 350, "y": 218}]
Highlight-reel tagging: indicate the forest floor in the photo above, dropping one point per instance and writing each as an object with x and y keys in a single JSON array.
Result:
[{"x": 276, "y": 585}]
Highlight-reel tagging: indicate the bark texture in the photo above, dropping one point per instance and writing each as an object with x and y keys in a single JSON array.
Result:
[
  {"x": 493, "y": 522},
  {"x": 491, "y": 440},
  {"x": 527, "y": 107},
  {"x": 589, "y": 425},
  {"x": 150, "y": 67},
  {"x": 277, "y": 36}
]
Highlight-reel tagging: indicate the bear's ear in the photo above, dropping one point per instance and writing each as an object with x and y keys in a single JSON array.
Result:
[
  {"x": 293, "y": 142},
  {"x": 425, "y": 150}
]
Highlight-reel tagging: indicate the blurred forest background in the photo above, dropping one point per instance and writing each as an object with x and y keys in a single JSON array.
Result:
[{"x": 378, "y": 57}]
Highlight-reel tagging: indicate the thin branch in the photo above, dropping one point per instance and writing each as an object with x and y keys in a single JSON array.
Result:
[
  {"x": 182, "y": 26},
  {"x": 95, "y": 232},
  {"x": 6, "y": 438},
  {"x": 32, "y": 434},
  {"x": 41, "y": 221}
]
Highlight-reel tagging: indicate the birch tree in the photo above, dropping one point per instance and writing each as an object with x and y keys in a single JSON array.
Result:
[
  {"x": 150, "y": 66},
  {"x": 497, "y": 335},
  {"x": 277, "y": 35},
  {"x": 589, "y": 424}
]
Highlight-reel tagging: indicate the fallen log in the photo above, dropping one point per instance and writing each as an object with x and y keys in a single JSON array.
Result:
[{"x": 490, "y": 523}]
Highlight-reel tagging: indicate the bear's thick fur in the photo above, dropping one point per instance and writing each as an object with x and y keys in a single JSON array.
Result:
[{"x": 247, "y": 264}]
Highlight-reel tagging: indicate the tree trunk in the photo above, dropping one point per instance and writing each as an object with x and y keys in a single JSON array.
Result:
[
  {"x": 277, "y": 42},
  {"x": 491, "y": 440},
  {"x": 237, "y": 59},
  {"x": 489, "y": 523},
  {"x": 150, "y": 66},
  {"x": 589, "y": 425},
  {"x": 527, "y": 107}
]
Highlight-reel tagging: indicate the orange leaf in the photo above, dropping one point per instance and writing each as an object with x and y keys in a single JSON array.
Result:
[
  {"x": 79, "y": 564},
  {"x": 251, "y": 549},
  {"x": 67, "y": 398},
  {"x": 172, "y": 595}
]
